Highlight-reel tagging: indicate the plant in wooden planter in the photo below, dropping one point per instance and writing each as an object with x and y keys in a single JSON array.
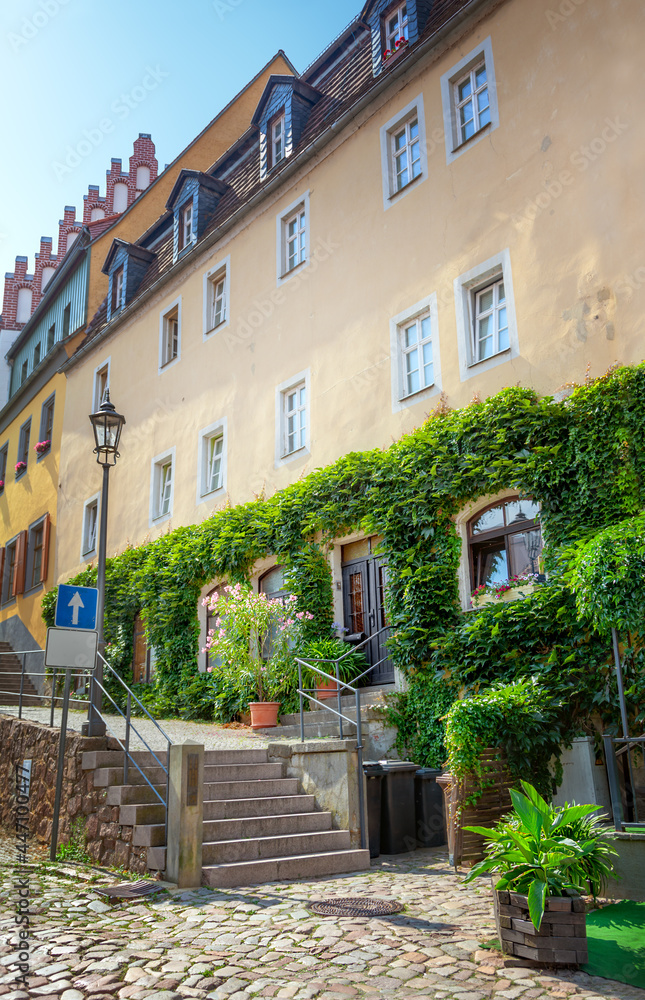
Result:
[
  {"x": 547, "y": 858},
  {"x": 494, "y": 739}
]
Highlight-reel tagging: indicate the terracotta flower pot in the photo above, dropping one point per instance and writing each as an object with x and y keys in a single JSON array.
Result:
[
  {"x": 326, "y": 689},
  {"x": 264, "y": 714}
]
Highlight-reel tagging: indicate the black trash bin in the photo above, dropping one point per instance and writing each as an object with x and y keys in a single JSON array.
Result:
[
  {"x": 374, "y": 777},
  {"x": 429, "y": 810},
  {"x": 398, "y": 834}
]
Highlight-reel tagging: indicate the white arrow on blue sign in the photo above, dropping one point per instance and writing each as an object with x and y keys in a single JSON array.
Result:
[{"x": 76, "y": 607}]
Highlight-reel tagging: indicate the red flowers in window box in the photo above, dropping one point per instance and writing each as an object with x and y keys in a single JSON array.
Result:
[
  {"x": 399, "y": 44},
  {"x": 1, "y": 484},
  {"x": 42, "y": 447},
  {"x": 20, "y": 467}
]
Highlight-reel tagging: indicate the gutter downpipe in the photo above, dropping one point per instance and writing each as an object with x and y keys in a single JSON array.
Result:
[{"x": 315, "y": 146}]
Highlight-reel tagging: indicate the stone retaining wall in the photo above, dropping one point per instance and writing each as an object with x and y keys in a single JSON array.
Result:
[{"x": 106, "y": 840}]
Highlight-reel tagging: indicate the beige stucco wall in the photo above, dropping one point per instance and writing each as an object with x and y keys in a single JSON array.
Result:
[{"x": 577, "y": 271}]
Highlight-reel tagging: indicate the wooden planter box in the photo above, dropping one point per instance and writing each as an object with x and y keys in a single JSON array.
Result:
[
  {"x": 514, "y": 594},
  {"x": 561, "y": 939},
  {"x": 467, "y": 848}
]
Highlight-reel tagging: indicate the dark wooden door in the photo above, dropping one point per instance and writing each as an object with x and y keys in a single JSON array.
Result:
[{"x": 364, "y": 603}]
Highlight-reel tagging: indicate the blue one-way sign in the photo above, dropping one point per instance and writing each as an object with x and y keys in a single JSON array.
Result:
[{"x": 76, "y": 607}]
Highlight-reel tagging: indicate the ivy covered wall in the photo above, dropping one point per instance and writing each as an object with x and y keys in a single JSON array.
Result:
[{"x": 582, "y": 458}]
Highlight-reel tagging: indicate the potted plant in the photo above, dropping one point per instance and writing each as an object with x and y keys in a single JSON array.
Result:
[
  {"x": 20, "y": 468},
  {"x": 399, "y": 44},
  {"x": 247, "y": 626},
  {"x": 351, "y": 663},
  {"x": 547, "y": 858},
  {"x": 42, "y": 447}
]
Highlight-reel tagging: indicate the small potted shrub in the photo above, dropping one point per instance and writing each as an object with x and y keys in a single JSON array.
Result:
[
  {"x": 42, "y": 447},
  {"x": 248, "y": 624},
  {"x": 546, "y": 858},
  {"x": 20, "y": 468},
  {"x": 352, "y": 663}
]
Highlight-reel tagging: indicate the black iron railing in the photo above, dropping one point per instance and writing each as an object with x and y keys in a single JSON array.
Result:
[{"x": 341, "y": 686}]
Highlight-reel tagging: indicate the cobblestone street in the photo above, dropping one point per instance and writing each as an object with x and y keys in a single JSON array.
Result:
[{"x": 239, "y": 944}]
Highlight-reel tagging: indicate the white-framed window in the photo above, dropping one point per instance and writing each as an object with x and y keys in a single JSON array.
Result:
[
  {"x": 472, "y": 102},
  {"x": 217, "y": 296},
  {"x": 292, "y": 418},
  {"x": 162, "y": 486},
  {"x": 276, "y": 139},
  {"x": 117, "y": 289},
  {"x": 170, "y": 334},
  {"x": 90, "y": 527},
  {"x": 485, "y": 311},
  {"x": 396, "y": 26},
  {"x": 490, "y": 321},
  {"x": 186, "y": 230},
  {"x": 404, "y": 161},
  {"x": 414, "y": 350},
  {"x": 100, "y": 383},
  {"x": 293, "y": 238},
  {"x": 469, "y": 98},
  {"x": 211, "y": 461}
]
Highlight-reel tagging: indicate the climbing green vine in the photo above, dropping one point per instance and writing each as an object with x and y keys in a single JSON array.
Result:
[{"x": 581, "y": 458}]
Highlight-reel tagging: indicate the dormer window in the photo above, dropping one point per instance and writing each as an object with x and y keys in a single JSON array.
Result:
[
  {"x": 276, "y": 139},
  {"x": 396, "y": 27},
  {"x": 117, "y": 290},
  {"x": 185, "y": 226}
]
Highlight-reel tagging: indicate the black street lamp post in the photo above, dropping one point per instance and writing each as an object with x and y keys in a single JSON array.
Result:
[{"x": 107, "y": 425}]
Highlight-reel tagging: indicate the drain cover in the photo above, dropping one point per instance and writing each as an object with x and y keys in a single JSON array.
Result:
[
  {"x": 128, "y": 890},
  {"x": 356, "y": 906}
]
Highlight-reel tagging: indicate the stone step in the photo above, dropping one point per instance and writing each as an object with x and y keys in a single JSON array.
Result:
[
  {"x": 122, "y": 795},
  {"x": 278, "y": 805},
  {"x": 283, "y": 845},
  {"x": 321, "y": 716},
  {"x": 243, "y": 827},
  {"x": 311, "y": 731},
  {"x": 105, "y": 777},
  {"x": 152, "y": 835},
  {"x": 243, "y": 873},
  {"x": 142, "y": 814},
  {"x": 114, "y": 758}
]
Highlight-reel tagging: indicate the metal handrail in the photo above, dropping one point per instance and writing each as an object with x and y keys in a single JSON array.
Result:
[
  {"x": 611, "y": 758},
  {"x": 133, "y": 695},
  {"x": 304, "y": 693}
]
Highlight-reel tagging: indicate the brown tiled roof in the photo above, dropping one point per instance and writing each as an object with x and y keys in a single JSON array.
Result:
[{"x": 342, "y": 85}]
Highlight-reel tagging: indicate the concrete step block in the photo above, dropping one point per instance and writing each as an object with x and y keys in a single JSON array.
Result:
[
  {"x": 314, "y": 731},
  {"x": 156, "y": 858},
  {"x": 121, "y": 795},
  {"x": 141, "y": 814},
  {"x": 250, "y": 789},
  {"x": 243, "y": 827},
  {"x": 284, "y": 845},
  {"x": 242, "y": 756},
  {"x": 241, "y": 772},
  {"x": 243, "y": 873},
  {"x": 152, "y": 835},
  {"x": 104, "y": 777},
  {"x": 277, "y": 805}
]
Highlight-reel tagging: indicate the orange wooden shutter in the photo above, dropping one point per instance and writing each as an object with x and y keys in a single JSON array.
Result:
[
  {"x": 44, "y": 561},
  {"x": 18, "y": 583}
]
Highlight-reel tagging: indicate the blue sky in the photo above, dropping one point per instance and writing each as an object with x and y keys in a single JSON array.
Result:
[{"x": 66, "y": 67}]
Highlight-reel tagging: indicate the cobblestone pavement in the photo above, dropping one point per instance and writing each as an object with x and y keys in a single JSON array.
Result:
[
  {"x": 212, "y": 736},
  {"x": 242, "y": 944}
]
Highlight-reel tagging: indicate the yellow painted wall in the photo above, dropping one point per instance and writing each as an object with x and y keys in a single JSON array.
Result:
[
  {"x": 577, "y": 270},
  {"x": 216, "y": 138},
  {"x": 29, "y": 498}
]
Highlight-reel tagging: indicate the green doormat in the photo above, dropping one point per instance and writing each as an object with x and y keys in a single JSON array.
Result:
[{"x": 616, "y": 940}]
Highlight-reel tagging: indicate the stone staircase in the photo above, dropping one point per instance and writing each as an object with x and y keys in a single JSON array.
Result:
[
  {"x": 10, "y": 669},
  {"x": 319, "y": 722},
  {"x": 258, "y": 825}
]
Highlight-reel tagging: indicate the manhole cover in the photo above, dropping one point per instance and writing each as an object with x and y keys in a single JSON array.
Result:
[
  {"x": 356, "y": 906},
  {"x": 128, "y": 890}
]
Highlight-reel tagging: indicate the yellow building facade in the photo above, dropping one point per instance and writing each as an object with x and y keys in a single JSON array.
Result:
[
  {"x": 458, "y": 222},
  {"x": 29, "y": 497}
]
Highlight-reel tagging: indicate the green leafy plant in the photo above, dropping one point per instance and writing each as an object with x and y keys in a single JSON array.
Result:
[
  {"x": 247, "y": 625},
  {"x": 520, "y": 719},
  {"x": 74, "y": 849},
  {"x": 541, "y": 851},
  {"x": 352, "y": 662},
  {"x": 418, "y": 716}
]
